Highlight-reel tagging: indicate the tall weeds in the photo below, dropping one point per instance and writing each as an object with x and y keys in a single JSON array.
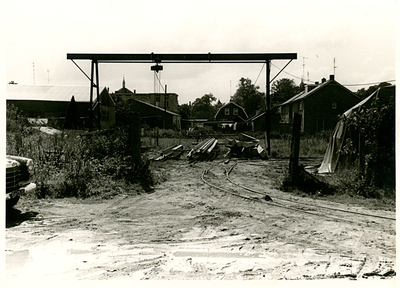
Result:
[{"x": 71, "y": 164}]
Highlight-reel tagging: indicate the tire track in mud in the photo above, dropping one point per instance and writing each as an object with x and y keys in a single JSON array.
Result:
[
  {"x": 307, "y": 208},
  {"x": 365, "y": 230},
  {"x": 184, "y": 232}
]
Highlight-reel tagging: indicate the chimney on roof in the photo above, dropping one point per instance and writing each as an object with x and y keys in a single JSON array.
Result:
[
  {"x": 310, "y": 87},
  {"x": 316, "y": 83},
  {"x": 331, "y": 77},
  {"x": 323, "y": 80}
]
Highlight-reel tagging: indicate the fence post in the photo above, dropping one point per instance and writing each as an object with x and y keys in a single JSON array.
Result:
[
  {"x": 134, "y": 139},
  {"x": 295, "y": 149}
]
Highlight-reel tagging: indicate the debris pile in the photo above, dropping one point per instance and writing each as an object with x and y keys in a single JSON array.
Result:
[
  {"x": 173, "y": 152},
  {"x": 205, "y": 150},
  {"x": 246, "y": 147}
]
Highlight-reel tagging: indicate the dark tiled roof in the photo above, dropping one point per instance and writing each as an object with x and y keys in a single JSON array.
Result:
[{"x": 302, "y": 95}]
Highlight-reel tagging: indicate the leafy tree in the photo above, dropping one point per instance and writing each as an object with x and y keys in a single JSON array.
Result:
[
  {"x": 364, "y": 93},
  {"x": 71, "y": 118},
  {"x": 378, "y": 125},
  {"x": 218, "y": 105},
  {"x": 248, "y": 96},
  {"x": 282, "y": 90},
  {"x": 185, "y": 110},
  {"x": 203, "y": 107},
  {"x": 123, "y": 110}
]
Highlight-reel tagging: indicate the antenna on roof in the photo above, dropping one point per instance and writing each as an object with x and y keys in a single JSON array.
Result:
[
  {"x": 33, "y": 73},
  {"x": 48, "y": 77},
  {"x": 303, "y": 68},
  {"x": 334, "y": 66}
]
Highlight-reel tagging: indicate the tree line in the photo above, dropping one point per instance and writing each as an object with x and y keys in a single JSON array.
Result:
[{"x": 252, "y": 100}]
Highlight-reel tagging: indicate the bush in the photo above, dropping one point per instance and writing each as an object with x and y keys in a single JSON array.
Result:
[
  {"x": 377, "y": 123},
  {"x": 75, "y": 165}
]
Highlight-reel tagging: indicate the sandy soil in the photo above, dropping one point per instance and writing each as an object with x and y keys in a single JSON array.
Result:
[{"x": 187, "y": 230}]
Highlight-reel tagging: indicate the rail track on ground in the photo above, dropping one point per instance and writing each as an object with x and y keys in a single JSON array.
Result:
[{"x": 228, "y": 183}]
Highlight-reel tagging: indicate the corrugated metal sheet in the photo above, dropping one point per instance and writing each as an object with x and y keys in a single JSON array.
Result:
[{"x": 48, "y": 93}]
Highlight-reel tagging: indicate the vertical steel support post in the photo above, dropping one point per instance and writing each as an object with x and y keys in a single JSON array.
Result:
[
  {"x": 98, "y": 94},
  {"x": 268, "y": 107},
  {"x": 91, "y": 98}
]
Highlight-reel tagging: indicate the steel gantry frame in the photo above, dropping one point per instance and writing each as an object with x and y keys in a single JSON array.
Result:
[{"x": 238, "y": 58}]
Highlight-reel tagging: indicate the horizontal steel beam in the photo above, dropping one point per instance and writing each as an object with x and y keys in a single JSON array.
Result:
[{"x": 182, "y": 57}]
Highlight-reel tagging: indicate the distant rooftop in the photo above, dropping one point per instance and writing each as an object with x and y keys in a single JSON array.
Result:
[{"x": 48, "y": 93}]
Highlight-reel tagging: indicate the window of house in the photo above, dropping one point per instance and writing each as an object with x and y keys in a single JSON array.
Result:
[
  {"x": 226, "y": 111},
  {"x": 235, "y": 111},
  {"x": 334, "y": 105}
]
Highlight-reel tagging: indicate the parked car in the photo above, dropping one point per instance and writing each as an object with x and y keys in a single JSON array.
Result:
[{"x": 18, "y": 178}]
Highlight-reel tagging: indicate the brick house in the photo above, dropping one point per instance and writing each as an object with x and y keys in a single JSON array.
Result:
[{"x": 319, "y": 104}]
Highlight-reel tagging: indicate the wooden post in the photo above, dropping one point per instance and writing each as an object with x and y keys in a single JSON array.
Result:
[
  {"x": 295, "y": 149},
  {"x": 134, "y": 139}
]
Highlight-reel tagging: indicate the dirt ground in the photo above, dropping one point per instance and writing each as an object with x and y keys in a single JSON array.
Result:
[{"x": 187, "y": 230}]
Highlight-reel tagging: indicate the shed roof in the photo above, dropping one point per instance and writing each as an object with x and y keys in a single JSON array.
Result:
[
  {"x": 156, "y": 107},
  {"x": 255, "y": 117},
  {"x": 48, "y": 93}
]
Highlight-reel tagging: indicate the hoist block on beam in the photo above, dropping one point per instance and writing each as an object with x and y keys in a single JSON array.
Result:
[{"x": 156, "y": 68}]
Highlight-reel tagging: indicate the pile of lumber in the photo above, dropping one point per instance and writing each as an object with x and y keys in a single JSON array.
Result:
[
  {"x": 204, "y": 150},
  {"x": 246, "y": 147},
  {"x": 173, "y": 152}
]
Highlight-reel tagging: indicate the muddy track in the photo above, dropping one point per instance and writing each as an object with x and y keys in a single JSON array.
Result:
[
  {"x": 217, "y": 180},
  {"x": 189, "y": 230}
]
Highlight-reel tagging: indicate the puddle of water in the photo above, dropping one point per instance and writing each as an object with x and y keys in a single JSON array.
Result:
[{"x": 17, "y": 259}]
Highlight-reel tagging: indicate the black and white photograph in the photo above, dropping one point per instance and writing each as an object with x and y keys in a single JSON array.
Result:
[{"x": 156, "y": 143}]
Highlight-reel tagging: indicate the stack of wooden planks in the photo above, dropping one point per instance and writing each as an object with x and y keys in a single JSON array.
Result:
[
  {"x": 173, "y": 152},
  {"x": 205, "y": 150}
]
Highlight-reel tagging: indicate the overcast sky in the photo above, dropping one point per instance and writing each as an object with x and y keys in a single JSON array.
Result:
[{"x": 359, "y": 35}]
